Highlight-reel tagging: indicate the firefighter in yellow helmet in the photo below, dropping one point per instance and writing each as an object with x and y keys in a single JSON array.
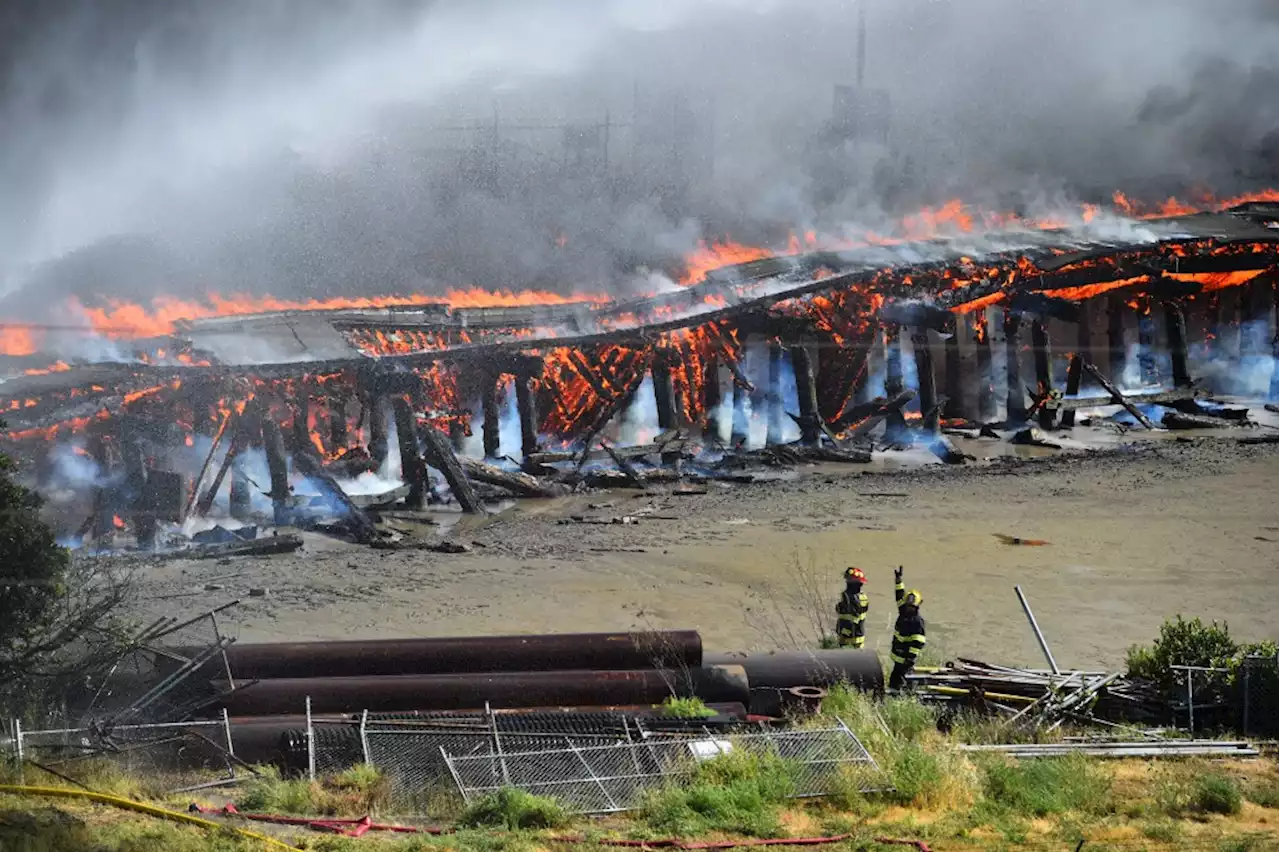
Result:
[
  {"x": 908, "y": 632},
  {"x": 851, "y": 610}
]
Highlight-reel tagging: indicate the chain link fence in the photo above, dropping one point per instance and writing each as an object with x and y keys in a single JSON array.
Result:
[
  {"x": 616, "y": 777},
  {"x": 1241, "y": 698}
]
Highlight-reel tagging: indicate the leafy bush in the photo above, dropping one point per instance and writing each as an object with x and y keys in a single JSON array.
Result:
[
  {"x": 1182, "y": 643},
  {"x": 513, "y": 810},
  {"x": 917, "y": 775},
  {"x": 1047, "y": 786},
  {"x": 1216, "y": 794},
  {"x": 738, "y": 793},
  {"x": 1264, "y": 794},
  {"x": 686, "y": 708}
]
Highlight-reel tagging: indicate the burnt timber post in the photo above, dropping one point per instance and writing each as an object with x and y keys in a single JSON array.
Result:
[
  {"x": 490, "y": 385},
  {"x": 711, "y": 398},
  {"x": 410, "y": 460},
  {"x": 378, "y": 442},
  {"x": 896, "y": 428},
  {"x": 278, "y": 467},
  {"x": 955, "y": 406},
  {"x": 1117, "y": 356},
  {"x": 1175, "y": 324},
  {"x": 1075, "y": 368},
  {"x": 664, "y": 394},
  {"x": 99, "y": 523},
  {"x": 301, "y": 414},
  {"x": 527, "y": 404},
  {"x": 135, "y": 473},
  {"x": 773, "y": 432},
  {"x": 986, "y": 381},
  {"x": 739, "y": 427},
  {"x": 248, "y": 434},
  {"x": 337, "y": 424},
  {"x": 1044, "y": 373},
  {"x": 806, "y": 395},
  {"x": 1015, "y": 405},
  {"x": 926, "y": 380},
  {"x": 1149, "y": 374}
]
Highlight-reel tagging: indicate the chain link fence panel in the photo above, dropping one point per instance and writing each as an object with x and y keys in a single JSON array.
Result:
[{"x": 616, "y": 777}]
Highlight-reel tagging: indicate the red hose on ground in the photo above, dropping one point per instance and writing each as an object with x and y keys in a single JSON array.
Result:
[{"x": 358, "y": 827}]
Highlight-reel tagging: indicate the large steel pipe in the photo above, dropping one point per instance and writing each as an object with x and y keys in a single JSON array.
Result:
[
  {"x": 772, "y": 674},
  {"x": 496, "y": 689},
  {"x": 673, "y": 649}
]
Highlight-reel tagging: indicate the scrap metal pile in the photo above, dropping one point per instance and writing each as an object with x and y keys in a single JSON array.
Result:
[{"x": 282, "y": 412}]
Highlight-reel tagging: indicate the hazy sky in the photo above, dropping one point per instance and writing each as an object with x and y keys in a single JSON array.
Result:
[{"x": 294, "y": 146}]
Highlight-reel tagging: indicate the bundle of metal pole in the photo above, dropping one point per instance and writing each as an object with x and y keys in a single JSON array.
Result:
[
  {"x": 493, "y": 689},
  {"x": 460, "y": 654}
]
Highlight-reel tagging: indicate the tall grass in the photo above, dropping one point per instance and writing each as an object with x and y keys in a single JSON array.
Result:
[
  {"x": 1045, "y": 786},
  {"x": 737, "y": 793},
  {"x": 513, "y": 810}
]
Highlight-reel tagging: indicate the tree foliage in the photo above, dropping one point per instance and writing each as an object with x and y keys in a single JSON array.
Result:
[{"x": 54, "y": 615}]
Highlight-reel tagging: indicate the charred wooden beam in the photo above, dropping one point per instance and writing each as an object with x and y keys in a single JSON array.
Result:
[
  {"x": 519, "y": 484},
  {"x": 338, "y": 437},
  {"x": 278, "y": 466},
  {"x": 135, "y": 480},
  {"x": 1084, "y": 342},
  {"x": 711, "y": 397},
  {"x": 1117, "y": 397},
  {"x": 527, "y": 405},
  {"x": 248, "y": 434},
  {"x": 1177, "y": 420},
  {"x": 439, "y": 454},
  {"x": 1148, "y": 372},
  {"x": 664, "y": 393},
  {"x": 955, "y": 406},
  {"x": 1117, "y": 353},
  {"x": 205, "y": 502},
  {"x": 773, "y": 433},
  {"x": 379, "y": 445},
  {"x": 925, "y": 380},
  {"x": 894, "y": 385},
  {"x": 740, "y": 428},
  {"x": 301, "y": 433},
  {"x": 986, "y": 379},
  {"x": 806, "y": 396},
  {"x": 362, "y": 529},
  {"x": 490, "y": 388},
  {"x": 1044, "y": 375},
  {"x": 227, "y": 422},
  {"x": 1168, "y": 397},
  {"x": 1176, "y": 330},
  {"x": 410, "y": 460},
  {"x": 1015, "y": 401}
]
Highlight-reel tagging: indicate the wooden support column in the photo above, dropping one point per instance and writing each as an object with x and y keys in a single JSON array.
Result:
[
  {"x": 490, "y": 388},
  {"x": 1015, "y": 398},
  {"x": 773, "y": 432},
  {"x": 1149, "y": 374},
  {"x": 926, "y": 380},
  {"x": 527, "y": 405},
  {"x": 338, "y": 438},
  {"x": 278, "y": 466},
  {"x": 664, "y": 392},
  {"x": 378, "y": 443},
  {"x": 955, "y": 406},
  {"x": 1044, "y": 374},
  {"x": 248, "y": 435},
  {"x": 806, "y": 395},
  {"x": 740, "y": 427},
  {"x": 135, "y": 477},
  {"x": 441, "y": 456},
  {"x": 411, "y": 470},
  {"x": 1175, "y": 323},
  {"x": 1117, "y": 353},
  {"x": 896, "y": 427},
  {"x": 301, "y": 435},
  {"x": 1084, "y": 343},
  {"x": 867, "y": 345},
  {"x": 982, "y": 357},
  {"x": 711, "y": 398}
]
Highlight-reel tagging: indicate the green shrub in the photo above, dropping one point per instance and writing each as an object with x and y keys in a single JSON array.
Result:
[
  {"x": 738, "y": 793},
  {"x": 1263, "y": 793},
  {"x": 267, "y": 792},
  {"x": 907, "y": 718},
  {"x": 1047, "y": 785},
  {"x": 917, "y": 775},
  {"x": 1216, "y": 794},
  {"x": 1182, "y": 643},
  {"x": 513, "y": 810},
  {"x": 1164, "y": 830},
  {"x": 686, "y": 708}
]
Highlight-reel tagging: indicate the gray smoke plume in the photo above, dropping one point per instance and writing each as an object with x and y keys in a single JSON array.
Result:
[{"x": 339, "y": 147}]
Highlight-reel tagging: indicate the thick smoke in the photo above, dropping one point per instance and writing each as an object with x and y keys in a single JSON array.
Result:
[{"x": 306, "y": 148}]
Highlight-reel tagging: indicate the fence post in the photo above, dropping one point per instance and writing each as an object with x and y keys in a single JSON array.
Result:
[
  {"x": 311, "y": 744},
  {"x": 226, "y": 727},
  {"x": 1247, "y": 697},
  {"x": 17, "y": 740},
  {"x": 364, "y": 736},
  {"x": 1191, "y": 705}
]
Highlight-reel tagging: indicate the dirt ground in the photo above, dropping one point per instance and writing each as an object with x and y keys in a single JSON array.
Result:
[{"x": 1135, "y": 535}]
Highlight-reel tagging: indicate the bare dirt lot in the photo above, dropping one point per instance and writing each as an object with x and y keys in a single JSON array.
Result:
[{"x": 1135, "y": 535}]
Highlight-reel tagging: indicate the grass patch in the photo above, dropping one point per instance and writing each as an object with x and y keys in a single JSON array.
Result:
[
  {"x": 907, "y": 718},
  {"x": 1264, "y": 794},
  {"x": 1045, "y": 786},
  {"x": 55, "y": 830},
  {"x": 686, "y": 708},
  {"x": 269, "y": 793},
  {"x": 736, "y": 793},
  {"x": 1216, "y": 794},
  {"x": 513, "y": 810}
]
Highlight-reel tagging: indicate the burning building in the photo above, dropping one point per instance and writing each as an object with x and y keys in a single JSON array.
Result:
[{"x": 267, "y": 400}]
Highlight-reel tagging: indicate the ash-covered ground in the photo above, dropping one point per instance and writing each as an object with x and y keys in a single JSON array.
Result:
[{"x": 1135, "y": 534}]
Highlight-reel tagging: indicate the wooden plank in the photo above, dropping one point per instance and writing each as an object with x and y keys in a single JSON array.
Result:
[
  {"x": 440, "y": 455},
  {"x": 520, "y": 484},
  {"x": 1117, "y": 397}
]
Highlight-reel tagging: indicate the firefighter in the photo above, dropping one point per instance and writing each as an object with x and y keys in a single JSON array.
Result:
[
  {"x": 908, "y": 632},
  {"x": 851, "y": 611}
]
